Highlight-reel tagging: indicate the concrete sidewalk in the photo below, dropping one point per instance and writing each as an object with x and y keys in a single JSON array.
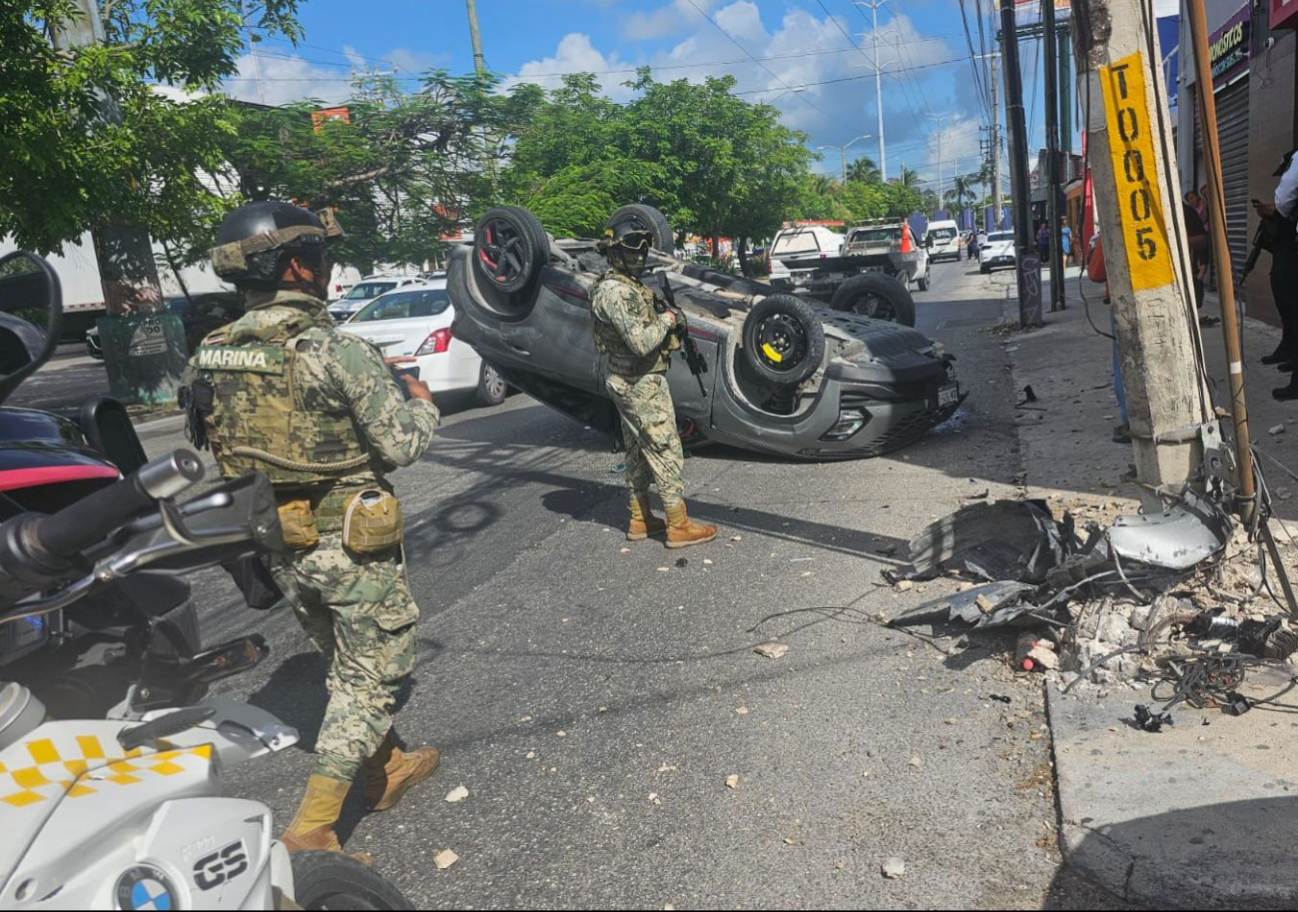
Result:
[{"x": 1201, "y": 815}]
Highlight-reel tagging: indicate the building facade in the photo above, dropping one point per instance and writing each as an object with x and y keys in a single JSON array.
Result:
[{"x": 1254, "y": 51}]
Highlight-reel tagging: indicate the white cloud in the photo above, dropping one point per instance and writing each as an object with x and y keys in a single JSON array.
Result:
[
  {"x": 284, "y": 78},
  {"x": 575, "y": 54},
  {"x": 278, "y": 75},
  {"x": 834, "y": 97},
  {"x": 664, "y": 21}
]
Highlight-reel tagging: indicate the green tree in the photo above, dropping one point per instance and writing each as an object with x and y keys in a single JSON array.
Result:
[
  {"x": 86, "y": 137},
  {"x": 404, "y": 169},
  {"x": 962, "y": 189},
  {"x": 863, "y": 170},
  {"x": 906, "y": 177}
]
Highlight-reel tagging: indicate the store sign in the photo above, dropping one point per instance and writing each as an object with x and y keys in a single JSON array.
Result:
[
  {"x": 1229, "y": 49},
  {"x": 1284, "y": 14}
]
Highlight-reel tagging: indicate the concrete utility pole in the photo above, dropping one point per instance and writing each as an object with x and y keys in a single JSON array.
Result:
[
  {"x": 842, "y": 153},
  {"x": 127, "y": 269},
  {"x": 1027, "y": 263},
  {"x": 1145, "y": 250},
  {"x": 479, "y": 62}
]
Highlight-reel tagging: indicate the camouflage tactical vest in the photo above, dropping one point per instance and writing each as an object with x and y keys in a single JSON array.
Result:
[
  {"x": 609, "y": 342},
  {"x": 259, "y": 407}
]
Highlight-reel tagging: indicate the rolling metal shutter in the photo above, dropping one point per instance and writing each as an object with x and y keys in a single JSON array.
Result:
[{"x": 1232, "y": 133}]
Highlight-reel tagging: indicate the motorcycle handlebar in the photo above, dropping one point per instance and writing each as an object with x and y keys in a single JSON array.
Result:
[{"x": 71, "y": 530}]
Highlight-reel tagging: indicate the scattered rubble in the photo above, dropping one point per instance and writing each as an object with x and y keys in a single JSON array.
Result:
[
  {"x": 444, "y": 859},
  {"x": 772, "y": 650},
  {"x": 894, "y": 869},
  {"x": 457, "y": 794}
]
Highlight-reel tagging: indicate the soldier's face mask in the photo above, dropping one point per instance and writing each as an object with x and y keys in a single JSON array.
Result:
[{"x": 632, "y": 249}]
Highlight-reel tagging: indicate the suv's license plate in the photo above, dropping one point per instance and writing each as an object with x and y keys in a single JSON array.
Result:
[{"x": 948, "y": 395}]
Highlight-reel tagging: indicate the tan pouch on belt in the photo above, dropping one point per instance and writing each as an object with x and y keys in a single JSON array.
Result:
[
  {"x": 372, "y": 522},
  {"x": 298, "y": 521}
]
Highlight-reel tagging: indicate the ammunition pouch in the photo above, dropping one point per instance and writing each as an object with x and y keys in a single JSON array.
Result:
[
  {"x": 372, "y": 522},
  {"x": 297, "y": 518}
]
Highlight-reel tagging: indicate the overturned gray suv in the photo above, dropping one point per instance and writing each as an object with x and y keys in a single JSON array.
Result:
[{"x": 778, "y": 374}]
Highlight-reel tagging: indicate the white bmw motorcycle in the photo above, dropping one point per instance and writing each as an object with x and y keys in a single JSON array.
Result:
[{"x": 126, "y": 812}]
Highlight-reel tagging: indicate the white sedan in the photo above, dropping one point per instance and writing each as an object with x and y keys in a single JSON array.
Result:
[{"x": 415, "y": 321}]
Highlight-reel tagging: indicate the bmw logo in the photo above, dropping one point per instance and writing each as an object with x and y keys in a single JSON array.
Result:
[{"x": 144, "y": 887}]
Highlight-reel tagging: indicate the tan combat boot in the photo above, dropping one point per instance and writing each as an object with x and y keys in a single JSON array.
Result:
[
  {"x": 391, "y": 773},
  {"x": 683, "y": 531},
  {"x": 643, "y": 523},
  {"x": 312, "y": 830}
]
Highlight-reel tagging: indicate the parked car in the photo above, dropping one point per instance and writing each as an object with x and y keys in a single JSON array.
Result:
[
  {"x": 805, "y": 245},
  {"x": 943, "y": 240},
  {"x": 200, "y": 314},
  {"x": 782, "y": 376},
  {"x": 364, "y": 291},
  {"x": 914, "y": 265},
  {"x": 997, "y": 251},
  {"x": 415, "y": 321}
]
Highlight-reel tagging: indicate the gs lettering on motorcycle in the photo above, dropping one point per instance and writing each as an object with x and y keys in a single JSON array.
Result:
[{"x": 211, "y": 871}]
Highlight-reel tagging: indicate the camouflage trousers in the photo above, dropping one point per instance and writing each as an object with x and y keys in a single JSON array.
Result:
[
  {"x": 653, "y": 445},
  {"x": 359, "y": 612}
]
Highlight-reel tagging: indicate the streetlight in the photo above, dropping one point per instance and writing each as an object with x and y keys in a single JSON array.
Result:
[{"x": 842, "y": 151}]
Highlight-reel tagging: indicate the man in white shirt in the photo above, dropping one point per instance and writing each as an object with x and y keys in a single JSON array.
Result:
[{"x": 1284, "y": 270}]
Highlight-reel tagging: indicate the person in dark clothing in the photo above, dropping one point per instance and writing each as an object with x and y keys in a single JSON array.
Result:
[
  {"x": 1279, "y": 218},
  {"x": 1197, "y": 236}
]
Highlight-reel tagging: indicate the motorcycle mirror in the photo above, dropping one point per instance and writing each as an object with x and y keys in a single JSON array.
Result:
[{"x": 31, "y": 317}]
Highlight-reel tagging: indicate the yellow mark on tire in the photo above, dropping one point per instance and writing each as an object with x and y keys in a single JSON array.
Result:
[
  {"x": 1135, "y": 171},
  {"x": 772, "y": 353}
]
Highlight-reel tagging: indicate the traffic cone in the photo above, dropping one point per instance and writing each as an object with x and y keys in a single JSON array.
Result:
[{"x": 907, "y": 245}]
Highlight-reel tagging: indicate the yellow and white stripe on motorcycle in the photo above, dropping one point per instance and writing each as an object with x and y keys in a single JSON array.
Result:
[{"x": 81, "y": 765}]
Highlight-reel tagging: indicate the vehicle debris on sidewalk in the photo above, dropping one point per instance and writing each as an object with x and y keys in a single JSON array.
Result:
[{"x": 1181, "y": 600}]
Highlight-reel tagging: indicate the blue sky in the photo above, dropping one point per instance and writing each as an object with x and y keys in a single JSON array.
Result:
[{"x": 809, "y": 68}]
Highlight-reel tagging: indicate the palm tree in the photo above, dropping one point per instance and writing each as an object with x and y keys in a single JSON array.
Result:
[
  {"x": 963, "y": 187},
  {"x": 823, "y": 185},
  {"x": 907, "y": 177},
  {"x": 863, "y": 170}
]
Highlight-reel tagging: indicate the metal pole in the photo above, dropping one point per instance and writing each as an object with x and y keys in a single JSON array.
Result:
[
  {"x": 1221, "y": 257},
  {"x": 878, "y": 93},
  {"x": 479, "y": 62},
  {"x": 996, "y": 146},
  {"x": 1027, "y": 263},
  {"x": 842, "y": 154},
  {"x": 1052, "y": 157}
]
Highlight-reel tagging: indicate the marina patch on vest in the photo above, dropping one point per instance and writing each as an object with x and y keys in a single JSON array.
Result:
[{"x": 258, "y": 360}]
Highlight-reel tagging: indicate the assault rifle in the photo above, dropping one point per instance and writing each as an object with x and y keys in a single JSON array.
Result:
[{"x": 693, "y": 357}]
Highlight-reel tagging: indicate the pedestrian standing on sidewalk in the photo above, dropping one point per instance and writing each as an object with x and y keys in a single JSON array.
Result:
[
  {"x": 1066, "y": 242},
  {"x": 638, "y": 334},
  {"x": 1279, "y": 218},
  {"x": 1043, "y": 243}
]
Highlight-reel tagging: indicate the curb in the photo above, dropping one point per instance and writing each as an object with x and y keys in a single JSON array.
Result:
[{"x": 1168, "y": 828}]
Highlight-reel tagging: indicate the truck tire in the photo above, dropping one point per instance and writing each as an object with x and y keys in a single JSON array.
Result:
[
  {"x": 646, "y": 218},
  {"x": 783, "y": 340},
  {"x": 509, "y": 248},
  {"x": 925, "y": 280},
  {"x": 873, "y": 294}
]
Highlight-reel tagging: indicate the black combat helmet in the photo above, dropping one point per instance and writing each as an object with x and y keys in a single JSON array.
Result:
[{"x": 254, "y": 239}]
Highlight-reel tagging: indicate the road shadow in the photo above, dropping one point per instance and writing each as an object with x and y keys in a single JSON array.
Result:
[{"x": 1232, "y": 855}]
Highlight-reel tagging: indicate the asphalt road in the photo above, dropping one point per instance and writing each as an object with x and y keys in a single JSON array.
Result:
[
  {"x": 594, "y": 696},
  {"x": 69, "y": 378}
]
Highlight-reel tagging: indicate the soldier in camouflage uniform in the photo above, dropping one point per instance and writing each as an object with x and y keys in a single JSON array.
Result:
[
  {"x": 638, "y": 334},
  {"x": 281, "y": 391}
]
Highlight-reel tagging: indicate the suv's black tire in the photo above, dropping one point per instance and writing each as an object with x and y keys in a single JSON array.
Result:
[
  {"x": 509, "y": 248},
  {"x": 784, "y": 340},
  {"x": 873, "y": 294},
  {"x": 647, "y": 218},
  {"x": 492, "y": 388},
  {"x": 329, "y": 880}
]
